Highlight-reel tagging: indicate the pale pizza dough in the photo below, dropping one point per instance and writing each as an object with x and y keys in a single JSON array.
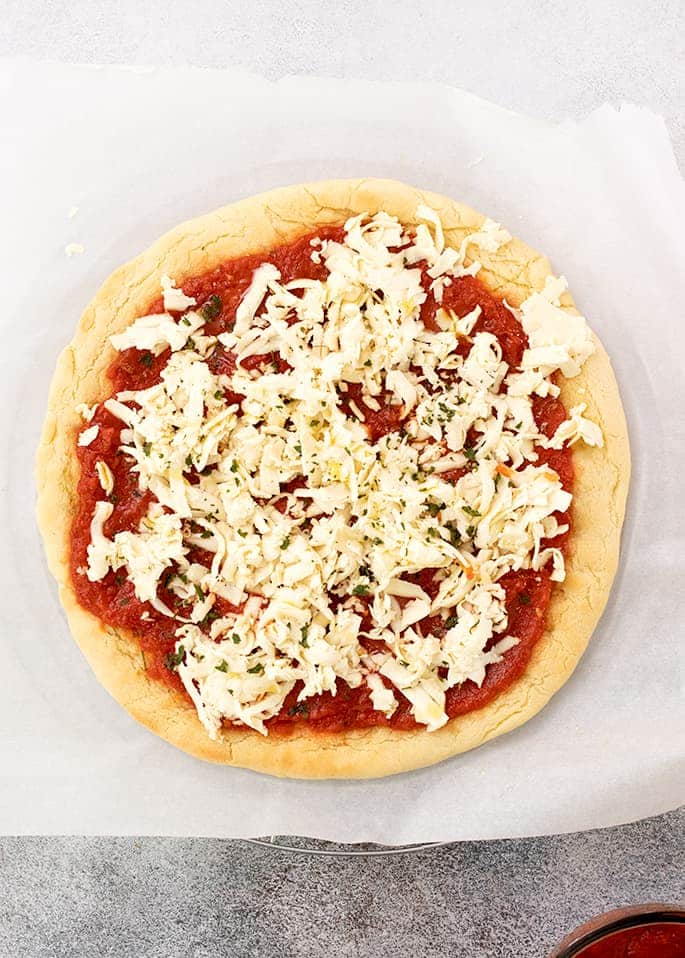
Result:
[{"x": 258, "y": 225}]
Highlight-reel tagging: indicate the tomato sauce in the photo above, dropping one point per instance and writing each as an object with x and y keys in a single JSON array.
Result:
[
  {"x": 113, "y": 599},
  {"x": 663, "y": 940}
]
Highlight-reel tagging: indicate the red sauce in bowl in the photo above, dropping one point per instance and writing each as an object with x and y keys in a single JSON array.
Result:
[
  {"x": 650, "y": 941},
  {"x": 643, "y": 931}
]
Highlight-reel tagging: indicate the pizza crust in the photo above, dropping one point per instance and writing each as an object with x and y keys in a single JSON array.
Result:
[{"x": 258, "y": 224}]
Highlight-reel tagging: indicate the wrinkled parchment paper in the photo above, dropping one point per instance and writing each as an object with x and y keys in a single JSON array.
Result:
[{"x": 138, "y": 151}]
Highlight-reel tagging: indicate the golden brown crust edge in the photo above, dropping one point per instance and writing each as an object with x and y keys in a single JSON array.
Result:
[{"x": 258, "y": 224}]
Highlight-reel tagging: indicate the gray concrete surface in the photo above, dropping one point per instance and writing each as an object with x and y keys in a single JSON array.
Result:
[
  {"x": 176, "y": 898},
  {"x": 164, "y": 898}
]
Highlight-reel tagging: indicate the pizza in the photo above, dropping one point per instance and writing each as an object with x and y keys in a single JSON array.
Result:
[{"x": 332, "y": 481}]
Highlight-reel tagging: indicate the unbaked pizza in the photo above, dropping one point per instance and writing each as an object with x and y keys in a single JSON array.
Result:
[{"x": 332, "y": 481}]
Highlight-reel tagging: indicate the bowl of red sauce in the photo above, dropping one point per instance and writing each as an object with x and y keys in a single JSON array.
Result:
[{"x": 642, "y": 931}]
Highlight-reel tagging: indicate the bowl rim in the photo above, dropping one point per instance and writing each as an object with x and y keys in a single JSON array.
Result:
[{"x": 618, "y": 919}]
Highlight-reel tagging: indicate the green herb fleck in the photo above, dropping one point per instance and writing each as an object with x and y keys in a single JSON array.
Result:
[
  {"x": 147, "y": 446},
  {"x": 234, "y": 466},
  {"x": 198, "y": 592},
  {"x": 236, "y": 638},
  {"x": 174, "y": 659},
  {"x": 146, "y": 359},
  {"x": 452, "y": 621},
  {"x": 300, "y": 708},
  {"x": 304, "y": 632},
  {"x": 469, "y": 453},
  {"x": 360, "y": 590},
  {"x": 210, "y": 617},
  {"x": 241, "y": 533},
  {"x": 285, "y": 543},
  {"x": 524, "y": 598},
  {"x": 471, "y": 512},
  {"x": 219, "y": 394},
  {"x": 222, "y": 667},
  {"x": 211, "y": 308},
  {"x": 256, "y": 669}
]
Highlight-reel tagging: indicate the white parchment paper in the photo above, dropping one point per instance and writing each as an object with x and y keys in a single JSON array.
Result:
[{"x": 137, "y": 151}]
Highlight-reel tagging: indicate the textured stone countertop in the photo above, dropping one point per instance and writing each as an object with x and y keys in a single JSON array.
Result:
[
  {"x": 192, "y": 898},
  {"x": 171, "y": 898}
]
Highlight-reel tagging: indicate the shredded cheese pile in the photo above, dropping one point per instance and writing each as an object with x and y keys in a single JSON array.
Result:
[{"x": 303, "y": 566}]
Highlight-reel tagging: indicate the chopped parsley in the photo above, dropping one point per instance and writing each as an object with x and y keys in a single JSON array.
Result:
[
  {"x": 219, "y": 394},
  {"x": 455, "y": 536},
  {"x": 146, "y": 359},
  {"x": 234, "y": 466},
  {"x": 285, "y": 543},
  {"x": 471, "y": 512},
  {"x": 451, "y": 621},
  {"x": 256, "y": 669},
  {"x": 360, "y": 590},
  {"x": 304, "y": 632},
  {"x": 211, "y": 308},
  {"x": 222, "y": 667},
  {"x": 174, "y": 659},
  {"x": 469, "y": 453},
  {"x": 236, "y": 638},
  {"x": 147, "y": 446}
]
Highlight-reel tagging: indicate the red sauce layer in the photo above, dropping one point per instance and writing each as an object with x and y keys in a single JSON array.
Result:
[
  {"x": 665, "y": 940},
  {"x": 113, "y": 599}
]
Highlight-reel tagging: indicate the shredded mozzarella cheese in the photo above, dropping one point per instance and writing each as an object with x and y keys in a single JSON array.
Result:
[{"x": 364, "y": 514}]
